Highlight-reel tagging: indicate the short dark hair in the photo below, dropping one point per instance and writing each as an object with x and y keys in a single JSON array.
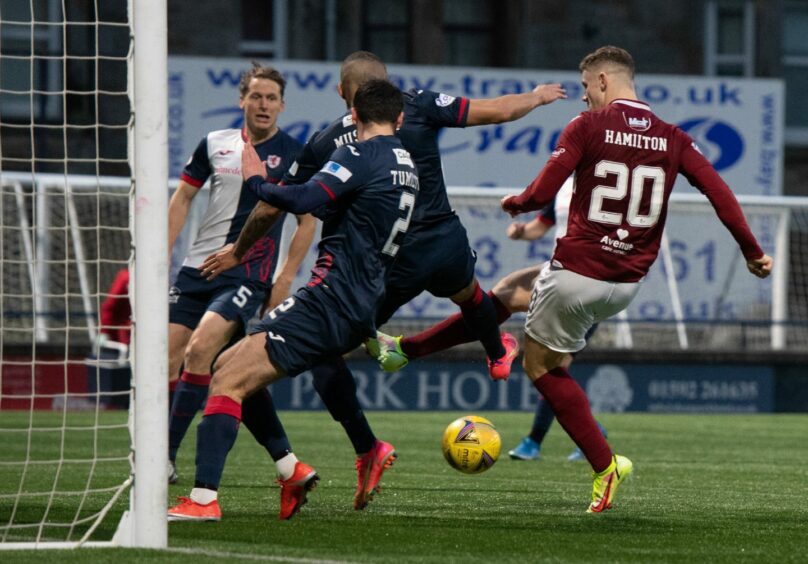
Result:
[
  {"x": 378, "y": 101},
  {"x": 358, "y": 68},
  {"x": 608, "y": 54},
  {"x": 260, "y": 71}
]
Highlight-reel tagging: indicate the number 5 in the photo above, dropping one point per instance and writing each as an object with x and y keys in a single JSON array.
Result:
[{"x": 242, "y": 295}]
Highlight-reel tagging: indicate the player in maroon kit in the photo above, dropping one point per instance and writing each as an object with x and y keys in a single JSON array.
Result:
[{"x": 625, "y": 160}]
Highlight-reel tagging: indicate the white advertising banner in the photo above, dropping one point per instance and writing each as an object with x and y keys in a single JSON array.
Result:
[{"x": 738, "y": 123}]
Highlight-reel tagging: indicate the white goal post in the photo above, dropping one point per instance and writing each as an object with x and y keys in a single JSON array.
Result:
[
  {"x": 149, "y": 527},
  {"x": 66, "y": 461}
]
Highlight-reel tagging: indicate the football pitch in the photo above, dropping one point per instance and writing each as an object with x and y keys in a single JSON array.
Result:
[{"x": 706, "y": 488}]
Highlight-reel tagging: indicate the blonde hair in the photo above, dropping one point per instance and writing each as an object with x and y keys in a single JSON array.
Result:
[{"x": 608, "y": 54}]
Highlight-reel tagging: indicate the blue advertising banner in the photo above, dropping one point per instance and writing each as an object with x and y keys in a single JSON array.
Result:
[
  {"x": 610, "y": 388},
  {"x": 738, "y": 123}
]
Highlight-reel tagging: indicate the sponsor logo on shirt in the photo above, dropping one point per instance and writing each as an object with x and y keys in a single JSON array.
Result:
[
  {"x": 617, "y": 245},
  {"x": 637, "y": 124},
  {"x": 228, "y": 170},
  {"x": 557, "y": 153},
  {"x": 273, "y": 161},
  {"x": 336, "y": 169},
  {"x": 403, "y": 157},
  {"x": 444, "y": 100}
]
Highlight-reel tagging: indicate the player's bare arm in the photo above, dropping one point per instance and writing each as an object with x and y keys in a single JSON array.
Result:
[
  {"x": 484, "y": 111},
  {"x": 298, "y": 247},
  {"x": 258, "y": 223},
  {"x": 178, "y": 211},
  {"x": 530, "y": 231}
]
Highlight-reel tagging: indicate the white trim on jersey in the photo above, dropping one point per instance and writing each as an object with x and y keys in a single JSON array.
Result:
[
  {"x": 634, "y": 104},
  {"x": 224, "y": 155}
]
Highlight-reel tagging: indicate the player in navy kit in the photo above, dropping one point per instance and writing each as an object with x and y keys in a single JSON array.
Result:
[
  {"x": 625, "y": 161},
  {"x": 439, "y": 261},
  {"x": 511, "y": 294},
  {"x": 437, "y": 257},
  {"x": 370, "y": 189},
  {"x": 205, "y": 315}
]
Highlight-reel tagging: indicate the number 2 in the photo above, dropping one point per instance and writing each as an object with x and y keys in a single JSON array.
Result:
[
  {"x": 282, "y": 307},
  {"x": 619, "y": 191},
  {"x": 401, "y": 225}
]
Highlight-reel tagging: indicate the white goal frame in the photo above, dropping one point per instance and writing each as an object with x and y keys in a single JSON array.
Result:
[{"x": 144, "y": 525}]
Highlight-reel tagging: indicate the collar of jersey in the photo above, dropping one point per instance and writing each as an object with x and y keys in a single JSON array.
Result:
[{"x": 633, "y": 103}]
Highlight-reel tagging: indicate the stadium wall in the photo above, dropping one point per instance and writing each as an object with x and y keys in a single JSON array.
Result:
[{"x": 612, "y": 384}]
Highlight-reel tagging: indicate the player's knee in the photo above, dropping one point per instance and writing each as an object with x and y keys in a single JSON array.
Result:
[
  {"x": 466, "y": 293},
  {"x": 505, "y": 294},
  {"x": 217, "y": 365},
  {"x": 199, "y": 353},
  {"x": 533, "y": 368}
]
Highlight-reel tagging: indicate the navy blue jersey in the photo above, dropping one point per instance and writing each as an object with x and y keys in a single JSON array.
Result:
[
  {"x": 370, "y": 188},
  {"x": 218, "y": 157},
  {"x": 425, "y": 114},
  {"x": 318, "y": 149}
]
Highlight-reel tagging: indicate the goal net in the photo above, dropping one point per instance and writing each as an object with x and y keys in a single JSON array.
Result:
[
  {"x": 698, "y": 295},
  {"x": 69, "y": 447}
]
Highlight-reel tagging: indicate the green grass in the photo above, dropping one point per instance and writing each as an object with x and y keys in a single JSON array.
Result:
[{"x": 706, "y": 488}]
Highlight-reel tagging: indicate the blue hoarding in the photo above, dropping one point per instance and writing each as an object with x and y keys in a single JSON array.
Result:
[{"x": 683, "y": 388}]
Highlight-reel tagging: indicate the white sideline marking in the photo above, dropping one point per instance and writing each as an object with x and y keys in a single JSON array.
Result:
[{"x": 257, "y": 557}]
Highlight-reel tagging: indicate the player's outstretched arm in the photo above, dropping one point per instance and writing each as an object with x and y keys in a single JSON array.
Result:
[
  {"x": 761, "y": 267},
  {"x": 178, "y": 211},
  {"x": 484, "y": 111},
  {"x": 530, "y": 231},
  {"x": 538, "y": 193},
  {"x": 704, "y": 177},
  {"x": 260, "y": 220}
]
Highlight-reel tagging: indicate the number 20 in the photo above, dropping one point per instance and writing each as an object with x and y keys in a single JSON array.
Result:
[{"x": 619, "y": 191}]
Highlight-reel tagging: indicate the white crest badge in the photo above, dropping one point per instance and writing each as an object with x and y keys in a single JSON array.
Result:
[
  {"x": 273, "y": 161},
  {"x": 444, "y": 100}
]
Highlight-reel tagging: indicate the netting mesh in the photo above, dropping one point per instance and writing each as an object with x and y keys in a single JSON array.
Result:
[
  {"x": 64, "y": 233},
  {"x": 702, "y": 299}
]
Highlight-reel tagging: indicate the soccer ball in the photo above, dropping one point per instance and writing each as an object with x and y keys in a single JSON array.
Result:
[{"x": 471, "y": 444}]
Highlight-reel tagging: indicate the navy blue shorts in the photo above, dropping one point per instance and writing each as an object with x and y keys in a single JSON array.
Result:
[
  {"x": 305, "y": 329},
  {"x": 232, "y": 297},
  {"x": 438, "y": 260}
]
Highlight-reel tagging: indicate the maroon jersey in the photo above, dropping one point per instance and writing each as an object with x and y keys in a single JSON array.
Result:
[{"x": 626, "y": 160}]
